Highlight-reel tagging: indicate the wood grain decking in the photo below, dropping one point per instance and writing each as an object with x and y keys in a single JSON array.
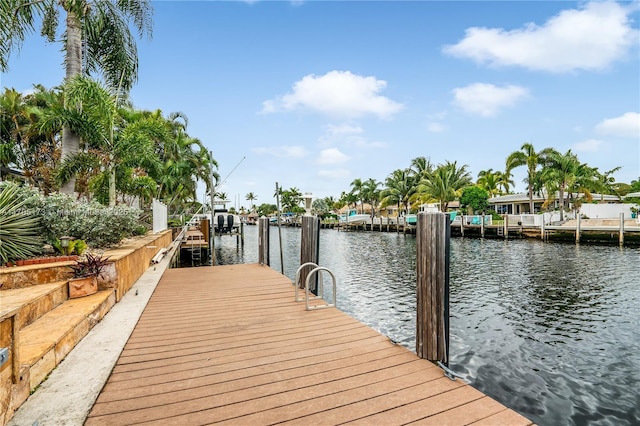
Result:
[{"x": 228, "y": 344}]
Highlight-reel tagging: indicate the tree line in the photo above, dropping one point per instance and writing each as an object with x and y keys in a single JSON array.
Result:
[
  {"x": 549, "y": 173},
  {"x": 124, "y": 153}
]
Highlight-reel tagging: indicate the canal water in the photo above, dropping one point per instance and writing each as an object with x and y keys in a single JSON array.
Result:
[{"x": 550, "y": 330}]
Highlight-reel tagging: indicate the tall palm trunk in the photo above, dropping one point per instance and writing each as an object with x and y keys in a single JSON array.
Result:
[
  {"x": 73, "y": 60},
  {"x": 561, "y": 193},
  {"x": 112, "y": 182}
]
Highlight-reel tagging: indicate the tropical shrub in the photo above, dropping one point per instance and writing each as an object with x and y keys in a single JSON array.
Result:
[
  {"x": 475, "y": 198},
  {"x": 90, "y": 266},
  {"x": 97, "y": 225},
  {"x": 19, "y": 225}
]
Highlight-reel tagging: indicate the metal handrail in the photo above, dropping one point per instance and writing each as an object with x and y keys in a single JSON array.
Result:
[
  {"x": 295, "y": 283},
  {"x": 320, "y": 286}
]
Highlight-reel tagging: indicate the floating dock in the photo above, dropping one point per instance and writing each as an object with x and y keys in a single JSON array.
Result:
[{"x": 229, "y": 344}]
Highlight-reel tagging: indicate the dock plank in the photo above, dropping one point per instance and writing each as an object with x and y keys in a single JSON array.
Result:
[{"x": 228, "y": 344}]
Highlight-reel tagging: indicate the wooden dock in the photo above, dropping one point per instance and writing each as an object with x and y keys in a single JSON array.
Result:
[{"x": 228, "y": 344}]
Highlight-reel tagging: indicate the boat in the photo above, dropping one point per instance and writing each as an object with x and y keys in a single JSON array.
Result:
[
  {"x": 225, "y": 222},
  {"x": 354, "y": 218},
  {"x": 411, "y": 219}
]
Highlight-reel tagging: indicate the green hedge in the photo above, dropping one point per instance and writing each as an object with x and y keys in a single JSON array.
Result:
[{"x": 61, "y": 215}]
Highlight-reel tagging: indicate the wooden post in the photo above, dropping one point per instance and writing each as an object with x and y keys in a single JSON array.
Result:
[
  {"x": 432, "y": 264},
  {"x": 309, "y": 249},
  {"x": 263, "y": 241},
  {"x": 621, "y": 239},
  {"x": 204, "y": 228},
  {"x": 578, "y": 228},
  {"x": 542, "y": 228},
  {"x": 506, "y": 227},
  {"x": 482, "y": 226},
  {"x": 462, "y": 225},
  {"x": 211, "y": 216}
]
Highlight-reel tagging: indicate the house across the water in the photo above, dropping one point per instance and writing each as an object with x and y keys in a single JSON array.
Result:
[{"x": 519, "y": 203}]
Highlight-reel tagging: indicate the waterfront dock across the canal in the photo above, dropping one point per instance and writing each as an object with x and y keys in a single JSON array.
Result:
[{"x": 229, "y": 344}]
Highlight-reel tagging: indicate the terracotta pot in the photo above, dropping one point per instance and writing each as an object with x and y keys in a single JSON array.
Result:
[{"x": 79, "y": 287}]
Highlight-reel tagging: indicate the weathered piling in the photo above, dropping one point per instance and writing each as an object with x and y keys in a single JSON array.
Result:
[
  {"x": 506, "y": 227},
  {"x": 432, "y": 263},
  {"x": 309, "y": 249},
  {"x": 621, "y": 236},
  {"x": 263, "y": 241},
  {"x": 578, "y": 228}
]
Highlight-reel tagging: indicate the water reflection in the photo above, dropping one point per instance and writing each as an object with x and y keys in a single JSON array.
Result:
[{"x": 550, "y": 330}]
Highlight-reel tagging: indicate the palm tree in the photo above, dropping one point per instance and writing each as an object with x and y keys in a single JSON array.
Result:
[
  {"x": 445, "y": 183},
  {"x": 606, "y": 183},
  {"x": 489, "y": 181},
  {"x": 98, "y": 29},
  {"x": 371, "y": 194},
  {"x": 251, "y": 197},
  {"x": 25, "y": 142},
  {"x": 185, "y": 161},
  {"x": 421, "y": 166},
  {"x": 291, "y": 200},
  {"x": 356, "y": 190},
  {"x": 400, "y": 186},
  {"x": 564, "y": 173},
  {"x": 527, "y": 156},
  {"x": 347, "y": 199}
]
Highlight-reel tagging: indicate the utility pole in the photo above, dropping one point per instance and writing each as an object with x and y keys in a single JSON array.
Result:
[{"x": 212, "y": 232}]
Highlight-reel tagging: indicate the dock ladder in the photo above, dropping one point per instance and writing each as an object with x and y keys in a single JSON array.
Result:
[
  {"x": 196, "y": 251},
  {"x": 317, "y": 270}
]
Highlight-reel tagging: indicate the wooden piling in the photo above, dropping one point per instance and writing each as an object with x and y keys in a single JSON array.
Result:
[
  {"x": 309, "y": 249},
  {"x": 621, "y": 235},
  {"x": 432, "y": 263},
  {"x": 506, "y": 227},
  {"x": 578, "y": 228},
  {"x": 482, "y": 226},
  {"x": 263, "y": 241},
  {"x": 462, "y": 225}
]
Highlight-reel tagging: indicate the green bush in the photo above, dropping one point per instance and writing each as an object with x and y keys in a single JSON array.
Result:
[
  {"x": 97, "y": 225},
  {"x": 174, "y": 223},
  {"x": 140, "y": 230}
]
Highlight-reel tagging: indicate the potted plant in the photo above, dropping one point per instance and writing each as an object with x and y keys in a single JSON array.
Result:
[{"x": 85, "y": 275}]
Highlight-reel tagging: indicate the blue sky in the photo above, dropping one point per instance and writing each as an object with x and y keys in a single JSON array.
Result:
[{"x": 315, "y": 94}]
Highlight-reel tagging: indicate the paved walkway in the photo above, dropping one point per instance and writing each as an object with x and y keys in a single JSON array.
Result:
[{"x": 67, "y": 395}]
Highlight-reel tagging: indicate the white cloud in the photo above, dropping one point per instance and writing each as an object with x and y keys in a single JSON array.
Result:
[
  {"x": 284, "y": 151},
  {"x": 435, "y": 127},
  {"x": 347, "y": 135},
  {"x": 334, "y": 174},
  {"x": 486, "y": 99},
  {"x": 332, "y": 156},
  {"x": 590, "y": 145},
  {"x": 344, "y": 129},
  {"x": 335, "y": 134},
  {"x": 434, "y": 122},
  {"x": 627, "y": 125},
  {"x": 589, "y": 38},
  {"x": 337, "y": 93}
]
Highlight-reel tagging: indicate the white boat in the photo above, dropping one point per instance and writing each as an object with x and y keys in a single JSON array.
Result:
[
  {"x": 355, "y": 218},
  {"x": 225, "y": 222}
]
